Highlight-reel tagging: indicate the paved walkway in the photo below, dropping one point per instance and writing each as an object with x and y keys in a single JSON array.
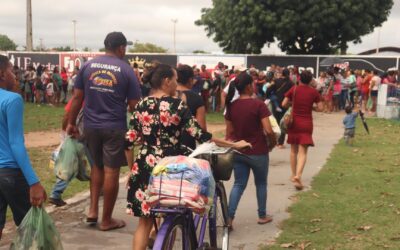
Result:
[{"x": 247, "y": 234}]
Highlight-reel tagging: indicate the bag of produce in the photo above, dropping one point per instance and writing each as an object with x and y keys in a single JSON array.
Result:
[{"x": 36, "y": 232}]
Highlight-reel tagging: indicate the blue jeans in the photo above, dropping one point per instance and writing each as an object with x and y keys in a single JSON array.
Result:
[
  {"x": 241, "y": 167},
  {"x": 344, "y": 96},
  {"x": 58, "y": 188}
]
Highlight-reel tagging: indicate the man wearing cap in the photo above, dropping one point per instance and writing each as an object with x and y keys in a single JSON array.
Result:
[
  {"x": 19, "y": 186},
  {"x": 107, "y": 84}
]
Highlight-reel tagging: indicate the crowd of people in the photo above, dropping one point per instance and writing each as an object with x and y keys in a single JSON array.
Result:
[
  {"x": 42, "y": 85},
  {"x": 167, "y": 108}
]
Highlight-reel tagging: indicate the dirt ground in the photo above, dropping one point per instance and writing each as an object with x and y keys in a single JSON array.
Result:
[{"x": 52, "y": 138}]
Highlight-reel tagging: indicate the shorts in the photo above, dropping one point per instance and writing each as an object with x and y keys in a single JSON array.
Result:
[
  {"x": 374, "y": 93},
  {"x": 106, "y": 146},
  {"x": 14, "y": 192},
  {"x": 349, "y": 132}
]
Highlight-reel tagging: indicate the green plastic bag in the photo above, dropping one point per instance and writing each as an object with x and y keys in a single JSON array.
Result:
[
  {"x": 67, "y": 164},
  {"x": 369, "y": 103},
  {"x": 37, "y": 232}
]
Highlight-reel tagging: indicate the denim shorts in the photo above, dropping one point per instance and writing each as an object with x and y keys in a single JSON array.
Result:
[{"x": 14, "y": 192}]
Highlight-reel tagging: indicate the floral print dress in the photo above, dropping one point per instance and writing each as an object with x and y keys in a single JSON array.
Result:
[{"x": 156, "y": 123}]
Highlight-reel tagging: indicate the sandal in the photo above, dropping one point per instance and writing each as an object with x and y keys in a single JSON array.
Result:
[
  {"x": 117, "y": 225},
  {"x": 264, "y": 220},
  {"x": 91, "y": 221}
]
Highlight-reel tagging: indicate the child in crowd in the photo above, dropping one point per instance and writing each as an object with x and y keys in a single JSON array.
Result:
[
  {"x": 50, "y": 92},
  {"x": 349, "y": 122}
]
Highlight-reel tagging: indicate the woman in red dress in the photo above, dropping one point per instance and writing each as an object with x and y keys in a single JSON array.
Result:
[{"x": 302, "y": 98}]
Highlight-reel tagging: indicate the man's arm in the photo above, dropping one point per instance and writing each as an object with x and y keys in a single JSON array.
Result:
[{"x": 76, "y": 105}]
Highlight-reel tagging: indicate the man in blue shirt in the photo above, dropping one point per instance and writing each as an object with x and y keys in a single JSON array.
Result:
[
  {"x": 107, "y": 85},
  {"x": 19, "y": 186}
]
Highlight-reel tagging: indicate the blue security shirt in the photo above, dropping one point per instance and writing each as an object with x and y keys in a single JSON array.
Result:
[
  {"x": 13, "y": 153},
  {"x": 349, "y": 120},
  {"x": 108, "y": 82}
]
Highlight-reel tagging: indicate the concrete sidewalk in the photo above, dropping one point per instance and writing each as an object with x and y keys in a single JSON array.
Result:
[{"x": 247, "y": 233}]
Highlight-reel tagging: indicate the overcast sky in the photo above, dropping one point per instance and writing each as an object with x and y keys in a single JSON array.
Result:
[{"x": 145, "y": 21}]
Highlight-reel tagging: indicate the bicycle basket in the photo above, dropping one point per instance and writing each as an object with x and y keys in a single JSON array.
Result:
[{"x": 221, "y": 165}]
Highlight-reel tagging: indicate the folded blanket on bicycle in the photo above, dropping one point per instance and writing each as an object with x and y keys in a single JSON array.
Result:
[{"x": 180, "y": 180}]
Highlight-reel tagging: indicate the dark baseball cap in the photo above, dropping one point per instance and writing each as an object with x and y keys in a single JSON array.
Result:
[{"x": 115, "y": 39}]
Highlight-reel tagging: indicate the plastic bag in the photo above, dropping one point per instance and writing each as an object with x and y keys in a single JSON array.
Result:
[
  {"x": 282, "y": 123},
  {"x": 369, "y": 103},
  {"x": 67, "y": 163},
  {"x": 180, "y": 180},
  {"x": 37, "y": 232}
]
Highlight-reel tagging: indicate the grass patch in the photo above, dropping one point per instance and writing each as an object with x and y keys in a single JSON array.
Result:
[
  {"x": 215, "y": 117},
  {"x": 354, "y": 200},
  {"x": 42, "y": 118}
]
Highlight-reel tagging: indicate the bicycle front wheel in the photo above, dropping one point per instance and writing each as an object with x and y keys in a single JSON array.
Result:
[
  {"x": 174, "y": 235},
  {"x": 219, "y": 231}
]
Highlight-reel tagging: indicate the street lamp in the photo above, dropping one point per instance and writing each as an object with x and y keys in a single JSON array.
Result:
[
  {"x": 174, "y": 21},
  {"x": 74, "y": 22}
]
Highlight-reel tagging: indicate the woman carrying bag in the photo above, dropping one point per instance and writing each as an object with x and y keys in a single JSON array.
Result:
[{"x": 302, "y": 99}]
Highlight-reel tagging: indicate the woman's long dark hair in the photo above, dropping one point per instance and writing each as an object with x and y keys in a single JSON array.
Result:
[
  {"x": 240, "y": 83},
  {"x": 156, "y": 75}
]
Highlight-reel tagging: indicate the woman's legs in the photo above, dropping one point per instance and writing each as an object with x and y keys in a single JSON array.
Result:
[
  {"x": 141, "y": 236},
  {"x": 241, "y": 172},
  {"x": 374, "y": 103},
  {"x": 259, "y": 165},
  {"x": 294, "y": 150},
  {"x": 301, "y": 161}
]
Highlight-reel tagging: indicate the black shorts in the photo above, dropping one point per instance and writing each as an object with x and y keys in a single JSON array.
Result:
[
  {"x": 106, "y": 146},
  {"x": 349, "y": 132},
  {"x": 374, "y": 93},
  {"x": 14, "y": 192}
]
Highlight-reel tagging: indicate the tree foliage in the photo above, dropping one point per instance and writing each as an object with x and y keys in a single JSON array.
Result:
[
  {"x": 147, "y": 48},
  {"x": 300, "y": 26},
  {"x": 239, "y": 26},
  {"x": 6, "y": 43},
  {"x": 62, "y": 48}
]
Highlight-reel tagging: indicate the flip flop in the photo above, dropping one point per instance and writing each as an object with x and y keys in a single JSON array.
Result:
[
  {"x": 91, "y": 221},
  {"x": 118, "y": 225}
]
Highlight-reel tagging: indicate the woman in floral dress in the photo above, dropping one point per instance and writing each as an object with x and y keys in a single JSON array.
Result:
[{"x": 157, "y": 124}]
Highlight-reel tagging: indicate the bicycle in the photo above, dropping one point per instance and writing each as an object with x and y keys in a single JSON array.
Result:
[{"x": 180, "y": 229}]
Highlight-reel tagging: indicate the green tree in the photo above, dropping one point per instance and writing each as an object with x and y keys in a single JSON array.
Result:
[
  {"x": 300, "y": 26},
  {"x": 147, "y": 48},
  {"x": 240, "y": 26},
  {"x": 326, "y": 26},
  {"x": 197, "y": 51},
  {"x": 87, "y": 49},
  {"x": 62, "y": 48},
  {"x": 6, "y": 43}
]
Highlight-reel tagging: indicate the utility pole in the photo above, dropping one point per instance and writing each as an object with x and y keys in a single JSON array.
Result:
[
  {"x": 29, "y": 40},
  {"x": 174, "y": 21},
  {"x": 74, "y": 22},
  {"x": 41, "y": 44},
  {"x": 379, "y": 40}
]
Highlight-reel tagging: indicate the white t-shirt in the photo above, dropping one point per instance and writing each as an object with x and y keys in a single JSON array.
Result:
[
  {"x": 377, "y": 82},
  {"x": 226, "y": 90},
  {"x": 49, "y": 89}
]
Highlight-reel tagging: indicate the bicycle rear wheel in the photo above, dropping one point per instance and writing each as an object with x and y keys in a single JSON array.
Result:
[
  {"x": 174, "y": 235},
  {"x": 219, "y": 232}
]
